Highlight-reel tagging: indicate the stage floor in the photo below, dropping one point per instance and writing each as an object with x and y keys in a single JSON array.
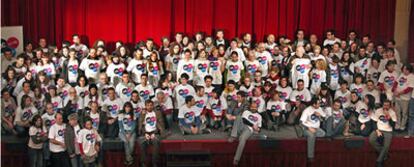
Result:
[{"x": 280, "y": 148}]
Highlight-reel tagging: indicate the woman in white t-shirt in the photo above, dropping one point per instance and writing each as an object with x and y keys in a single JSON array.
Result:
[
  {"x": 24, "y": 115},
  {"x": 37, "y": 136}
]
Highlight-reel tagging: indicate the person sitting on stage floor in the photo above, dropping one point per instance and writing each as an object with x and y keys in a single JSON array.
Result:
[
  {"x": 236, "y": 107},
  {"x": 188, "y": 121},
  {"x": 151, "y": 129},
  {"x": 276, "y": 108},
  {"x": 381, "y": 137},
  {"x": 311, "y": 121},
  {"x": 216, "y": 108},
  {"x": 89, "y": 142},
  {"x": 298, "y": 99},
  {"x": 249, "y": 122},
  {"x": 334, "y": 125},
  {"x": 365, "y": 110},
  {"x": 127, "y": 131}
]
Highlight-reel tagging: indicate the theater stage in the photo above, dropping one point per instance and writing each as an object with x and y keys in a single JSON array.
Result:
[{"x": 282, "y": 148}]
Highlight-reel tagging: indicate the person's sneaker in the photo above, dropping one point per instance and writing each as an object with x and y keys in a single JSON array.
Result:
[
  {"x": 206, "y": 131},
  {"x": 231, "y": 139}
]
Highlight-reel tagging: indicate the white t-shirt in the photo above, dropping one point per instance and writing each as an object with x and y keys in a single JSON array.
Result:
[
  {"x": 253, "y": 118},
  {"x": 92, "y": 67},
  {"x": 383, "y": 121},
  {"x": 57, "y": 132},
  {"x": 126, "y": 121},
  {"x": 276, "y": 106},
  {"x": 48, "y": 120},
  {"x": 145, "y": 92},
  {"x": 25, "y": 114},
  {"x": 186, "y": 67},
  {"x": 334, "y": 82},
  {"x": 303, "y": 95},
  {"x": 217, "y": 105},
  {"x": 115, "y": 71},
  {"x": 215, "y": 72},
  {"x": 95, "y": 120},
  {"x": 264, "y": 59},
  {"x": 188, "y": 114},
  {"x": 388, "y": 79},
  {"x": 362, "y": 109},
  {"x": 201, "y": 103},
  {"x": 300, "y": 70},
  {"x": 88, "y": 138},
  {"x": 137, "y": 67},
  {"x": 150, "y": 122},
  {"x": 261, "y": 103},
  {"x": 310, "y": 119},
  {"x": 34, "y": 131},
  {"x": 284, "y": 93},
  {"x": 318, "y": 77},
  {"x": 345, "y": 98},
  {"x": 234, "y": 70},
  {"x": 201, "y": 70},
  {"x": 182, "y": 91},
  {"x": 73, "y": 74},
  {"x": 405, "y": 82},
  {"x": 124, "y": 91},
  {"x": 113, "y": 107},
  {"x": 252, "y": 66},
  {"x": 48, "y": 69}
]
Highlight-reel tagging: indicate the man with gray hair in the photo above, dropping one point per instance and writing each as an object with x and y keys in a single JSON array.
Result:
[{"x": 71, "y": 134}]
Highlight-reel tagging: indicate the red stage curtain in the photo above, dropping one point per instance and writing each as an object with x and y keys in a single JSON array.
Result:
[
  {"x": 410, "y": 55},
  {"x": 134, "y": 20}
]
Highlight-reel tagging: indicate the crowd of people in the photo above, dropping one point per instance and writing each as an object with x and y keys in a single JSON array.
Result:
[{"x": 68, "y": 98}]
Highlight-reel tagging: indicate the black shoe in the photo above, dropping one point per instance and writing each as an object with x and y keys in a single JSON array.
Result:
[{"x": 379, "y": 164}]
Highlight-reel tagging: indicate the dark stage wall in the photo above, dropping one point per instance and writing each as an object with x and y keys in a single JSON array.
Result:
[{"x": 134, "y": 20}]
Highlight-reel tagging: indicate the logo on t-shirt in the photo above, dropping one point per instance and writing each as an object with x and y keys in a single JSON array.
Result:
[
  {"x": 188, "y": 67},
  {"x": 299, "y": 97},
  {"x": 200, "y": 103},
  {"x": 214, "y": 65},
  {"x": 334, "y": 74},
  {"x": 234, "y": 68},
  {"x": 316, "y": 77},
  {"x": 119, "y": 71},
  {"x": 253, "y": 118},
  {"x": 144, "y": 94},
  {"x": 48, "y": 71},
  {"x": 189, "y": 116},
  {"x": 402, "y": 81},
  {"x": 27, "y": 114},
  {"x": 90, "y": 137},
  {"x": 140, "y": 67},
  {"x": 314, "y": 118},
  {"x": 73, "y": 69},
  {"x": 61, "y": 132},
  {"x": 175, "y": 60},
  {"x": 363, "y": 112},
  {"x": 127, "y": 91},
  {"x": 202, "y": 67},
  {"x": 84, "y": 93},
  {"x": 49, "y": 123},
  {"x": 94, "y": 67},
  {"x": 183, "y": 92},
  {"x": 389, "y": 80},
  {"x": 63, "y": 94},
  {"x": 154, "y": 70},
  {"x": 262, "y": 60},
  {"x": 276, "y": 108},
  {"x": 384, "y": 118},
  {"x": 113, "y": 108},
  {"x": 252, "y": 68},
  {"x": 301, "y": 68},
  {"x": 150, "y": 121}
]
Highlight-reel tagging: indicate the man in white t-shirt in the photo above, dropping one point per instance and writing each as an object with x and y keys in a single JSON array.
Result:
[
  {"x": 245, "y": 125},
  {"x": 381, "y": 137},
  {"x": 402, "y": 89},
  {"x": 57, "y": 146},
  {"x": 311, "y": 121}
]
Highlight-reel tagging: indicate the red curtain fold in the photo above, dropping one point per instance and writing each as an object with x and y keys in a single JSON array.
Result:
[
  {"x": 134, "y": 20},
  {"x": 410, "y": 55}
]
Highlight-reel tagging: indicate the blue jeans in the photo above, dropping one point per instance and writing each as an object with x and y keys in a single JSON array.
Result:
[
  {"x": 129, "y": 145},
  {"x": 311, "y": 140},
  {"x": 411, "y": 117},
  {"x": 35, "y": 157}
]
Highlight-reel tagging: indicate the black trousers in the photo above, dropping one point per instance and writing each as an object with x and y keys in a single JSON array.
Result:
[{"x": 60, "y": 159}]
